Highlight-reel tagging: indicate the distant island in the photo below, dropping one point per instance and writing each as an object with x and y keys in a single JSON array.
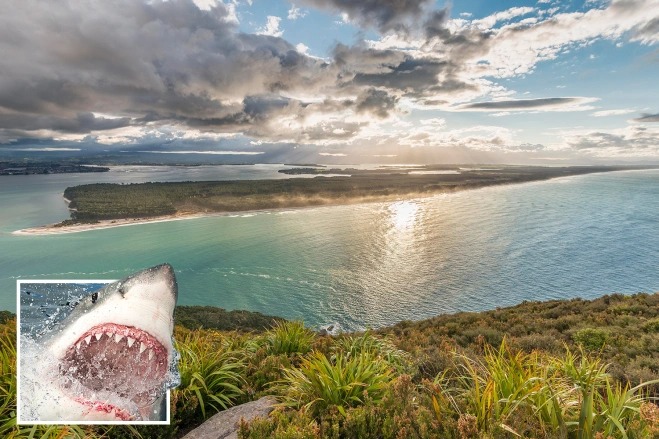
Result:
[
  {"x": 13, "y": 168},
  {"x": 110, "y": 205}
]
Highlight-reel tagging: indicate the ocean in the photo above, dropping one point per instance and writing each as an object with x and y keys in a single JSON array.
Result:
[{"x": 358, "y": 266}]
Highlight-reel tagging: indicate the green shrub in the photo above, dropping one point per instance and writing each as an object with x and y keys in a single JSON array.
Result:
[
  {"x": 280, "y": 425},
  {"x": 652, "y": 326},
  {"x": 591, "y": 339}
]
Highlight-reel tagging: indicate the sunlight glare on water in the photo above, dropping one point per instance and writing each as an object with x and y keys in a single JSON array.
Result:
[{"x": 369, "y": 265}]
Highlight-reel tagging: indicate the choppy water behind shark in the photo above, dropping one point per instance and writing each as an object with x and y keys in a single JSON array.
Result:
[{"x": 376, "y": 264}]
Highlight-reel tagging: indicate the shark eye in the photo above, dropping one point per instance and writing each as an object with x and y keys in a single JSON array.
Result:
[
  {"x": 122, "y": 291},
  {"x": 94, "y": 297}
]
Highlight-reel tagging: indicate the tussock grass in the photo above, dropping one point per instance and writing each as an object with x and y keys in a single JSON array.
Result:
[{"x": 536, "y": 370}]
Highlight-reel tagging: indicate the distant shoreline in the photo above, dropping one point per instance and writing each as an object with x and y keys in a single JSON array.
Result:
[
  {"x": 57, "y": 229},
  {"x": 313, "y": 200}
]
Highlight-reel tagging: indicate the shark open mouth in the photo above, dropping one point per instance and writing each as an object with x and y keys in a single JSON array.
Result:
[{"x": 123, "y": 360}]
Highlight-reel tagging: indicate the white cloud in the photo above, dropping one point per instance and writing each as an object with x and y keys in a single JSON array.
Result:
[
  {"x": 332, "y": 154},
  {"x": 205, "y": 5},
  {"x": 48, "y": 149},
  {"x": 271, "y": 27},
  {"x": 532, "y": 105},
  {"x": 294, "y": 13},
  {"x": 606, "y": 113},
  {"x": 491, "y": 20},
  {"x": 632, "y": 141},
  {"x": 211, "y": 152},
  {"x": 514, "y": 51}
]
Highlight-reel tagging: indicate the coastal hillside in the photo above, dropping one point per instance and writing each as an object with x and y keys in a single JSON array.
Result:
[{"x": 556, "y": 369}]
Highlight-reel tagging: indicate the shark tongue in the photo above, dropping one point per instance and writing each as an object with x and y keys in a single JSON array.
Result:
[{"x": 118, "y": 359}]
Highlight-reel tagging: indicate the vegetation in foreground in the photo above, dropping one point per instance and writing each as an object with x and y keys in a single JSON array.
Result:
[
  {"x": 94, "y": 202},
  {"x": 559, "y": 369}
]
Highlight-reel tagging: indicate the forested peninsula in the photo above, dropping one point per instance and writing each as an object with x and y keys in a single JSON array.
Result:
[{"x": 97, "y": 202}]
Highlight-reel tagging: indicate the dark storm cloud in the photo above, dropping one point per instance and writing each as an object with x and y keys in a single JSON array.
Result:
[
  {"x": 397, "y": 72},
  {"x": 383, "y": 15},
  {"x": 81, "y": 123},
  {"x": 377, "y": 102},
  {"x": 141, "y": 61},
  {"x": 408, "y": 76},
  {"x": 648, "y": 118},
  {"x": 648, "y": 31},
  {"x": 520, "y": 104}
]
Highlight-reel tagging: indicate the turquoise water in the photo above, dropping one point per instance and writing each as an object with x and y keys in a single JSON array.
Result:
[{"x": 364, "y": 265}]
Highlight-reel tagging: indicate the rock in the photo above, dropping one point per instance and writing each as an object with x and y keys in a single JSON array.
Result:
[{"x": 224, "y": 425}]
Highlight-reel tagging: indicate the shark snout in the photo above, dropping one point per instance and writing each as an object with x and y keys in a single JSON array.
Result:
[{"x": 165, "y": 272}]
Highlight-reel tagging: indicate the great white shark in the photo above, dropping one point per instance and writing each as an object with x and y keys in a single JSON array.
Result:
[{"x": 111, "y": 355}]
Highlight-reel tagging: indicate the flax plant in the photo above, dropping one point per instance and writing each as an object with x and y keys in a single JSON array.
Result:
[
  {"x": 320, "y": 382},
  {"x": 496, "y": 387},
  {"x": 210, "y": 375},
  {"x": 289, "y": 338},
  {"x": 375, "y": 346},
  {"x": 7, "y": 377}
]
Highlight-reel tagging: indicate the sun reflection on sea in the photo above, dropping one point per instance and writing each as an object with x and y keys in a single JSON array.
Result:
[{"x": 404, "y": 214}]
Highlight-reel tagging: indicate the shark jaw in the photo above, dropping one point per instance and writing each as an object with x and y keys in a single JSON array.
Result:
[
  {"x": 120, "y": 359},
  {"x": 113, "y": 352}
]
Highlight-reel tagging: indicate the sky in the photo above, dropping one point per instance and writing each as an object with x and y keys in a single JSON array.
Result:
[{"x": 332, "y": 81}]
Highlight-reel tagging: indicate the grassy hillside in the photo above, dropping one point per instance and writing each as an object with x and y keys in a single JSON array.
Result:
[{"x": 557, "y": 369}]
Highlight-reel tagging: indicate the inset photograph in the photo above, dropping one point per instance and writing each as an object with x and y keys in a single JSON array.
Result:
[{"x": 97, "y": 352}]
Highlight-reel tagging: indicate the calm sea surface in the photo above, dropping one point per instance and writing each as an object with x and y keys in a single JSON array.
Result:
[{"x": 364, "y": 265}]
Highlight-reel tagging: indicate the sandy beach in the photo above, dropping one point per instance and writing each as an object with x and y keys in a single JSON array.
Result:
[{"x": 55, "y": 229}]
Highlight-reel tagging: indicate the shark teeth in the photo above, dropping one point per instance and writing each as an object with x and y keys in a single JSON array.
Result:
[
  {"x": 98, "y": 336},
  {"x": 150, "y": 354},
  {"x": 88, "y": 339},
  {"x": 78, "y": 345},
  {"x": 142, "y": 347},
  {"x": 130, "y": 341},
  {"x": 118, "y": 337}
]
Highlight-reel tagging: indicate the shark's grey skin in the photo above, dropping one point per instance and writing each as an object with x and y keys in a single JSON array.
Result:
[{"x": 112, "y": 353}]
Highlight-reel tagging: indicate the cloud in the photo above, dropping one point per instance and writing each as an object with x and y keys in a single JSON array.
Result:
[
  {"x": 133, "y": 72},
  {"x": 294, "y": 13},
  {"x": 544, "y": 104},
  {"x": 382, "y": 15},
  {"x": 632, "y": 141},
  {"x": 647, "y": 33},
  {"x": 156, "y": 63},
  {"x": 607, "y": 113},
  {"x": 44, "y": 149},
  {"x": 80, "y": 123},
  {"x": 648, "y": 118},
  {"x": 271, "y": 27},
  {"x": 516, "y": 49},
  {"x": 377, "y": 102},
  {"x": 187, "y": 151}
]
